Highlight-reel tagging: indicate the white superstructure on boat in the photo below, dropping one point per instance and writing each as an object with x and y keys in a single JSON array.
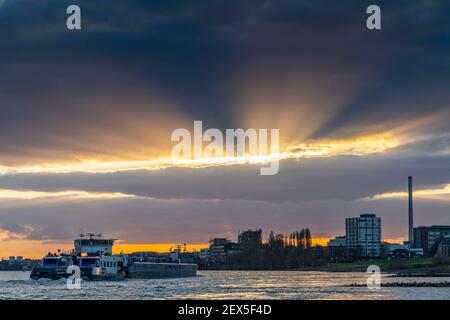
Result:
[{"x": 94, "y": 244}]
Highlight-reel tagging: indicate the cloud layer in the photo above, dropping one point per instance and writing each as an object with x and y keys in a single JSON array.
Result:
[{"x": 114, "y": 91}]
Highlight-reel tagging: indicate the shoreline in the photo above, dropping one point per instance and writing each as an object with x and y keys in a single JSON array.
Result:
[
  {"x": 417, "y": 267},
  {"x": 414, "y": 284}
]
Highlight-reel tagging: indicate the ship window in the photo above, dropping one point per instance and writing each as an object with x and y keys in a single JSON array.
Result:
[
  {"x": 50, "y": 262},
  {"x": 88, "y": 262}
]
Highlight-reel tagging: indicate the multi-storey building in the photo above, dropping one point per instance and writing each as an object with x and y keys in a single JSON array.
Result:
[
  {"x": 427, "y": 237},
  {"x": 364, "y": 234}
]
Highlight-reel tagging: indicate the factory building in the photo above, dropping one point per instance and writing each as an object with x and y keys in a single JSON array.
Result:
[{"x": 428, "y": 238}]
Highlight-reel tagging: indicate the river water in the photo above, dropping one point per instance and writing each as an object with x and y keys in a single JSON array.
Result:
[{"x": 220, "y": 285}]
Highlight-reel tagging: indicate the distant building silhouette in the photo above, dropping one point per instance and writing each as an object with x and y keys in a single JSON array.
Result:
[
  {"x": 337, "y": 249},
  {"x": 250, "y": 238},
  {"x": 220, "y": 249}
]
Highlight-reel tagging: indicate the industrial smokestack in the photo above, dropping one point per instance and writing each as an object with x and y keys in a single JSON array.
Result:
[{"x": 410, "y": 211}]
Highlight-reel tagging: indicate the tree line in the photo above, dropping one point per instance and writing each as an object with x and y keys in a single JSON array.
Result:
[{"x": 280, "y": 252}]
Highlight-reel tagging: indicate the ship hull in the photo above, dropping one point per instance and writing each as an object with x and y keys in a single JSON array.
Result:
[
  {"x": 48, "y": 273},
  {"x": 107, "y": 277},
  {"x": 98, "y": 274},
  {"x": 104, "y": 277},
  {"x": 149, "y": 270}
]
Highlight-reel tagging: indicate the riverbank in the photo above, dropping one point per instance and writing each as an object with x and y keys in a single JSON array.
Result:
[
  {"x": 417, "y": 267},
  {"x": 414, "y": 284},
  {"x": 403, "y": 267}
]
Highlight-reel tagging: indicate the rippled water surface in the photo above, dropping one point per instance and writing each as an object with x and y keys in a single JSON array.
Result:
[{"x": 220, "y": 285}]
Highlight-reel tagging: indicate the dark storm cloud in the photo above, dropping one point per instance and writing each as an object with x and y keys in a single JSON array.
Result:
[
  {"x": 410, "y": 67},
  {"x": 139, "y": 64},
  {"x": 196, "y": 221},
  {"x": 335, "y": 178},
  {"x": 126, "y": 49},
  {"x": 193, "y": 55}
]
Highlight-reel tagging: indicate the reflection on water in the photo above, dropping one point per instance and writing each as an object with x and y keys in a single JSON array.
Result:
[{"x": 220, "y": 285}]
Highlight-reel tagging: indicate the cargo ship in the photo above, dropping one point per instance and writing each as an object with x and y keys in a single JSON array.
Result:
[{"x": 92, "y": 254}]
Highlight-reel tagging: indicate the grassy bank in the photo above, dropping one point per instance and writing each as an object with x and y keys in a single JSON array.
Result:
[{"x": 417, "y": 264}]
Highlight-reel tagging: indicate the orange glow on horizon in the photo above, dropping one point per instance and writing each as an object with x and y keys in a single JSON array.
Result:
[
  {"x": 34, "y": 249},
  {"x": 396, "y": 240},
  {"x": 154, "y": 247},
  {"x": 320, "y": 241}
]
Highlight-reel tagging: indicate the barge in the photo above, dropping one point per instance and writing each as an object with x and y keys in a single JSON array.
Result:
[
  {"x": 155, "y": 270},
  {"x": 93, "y": 256}
]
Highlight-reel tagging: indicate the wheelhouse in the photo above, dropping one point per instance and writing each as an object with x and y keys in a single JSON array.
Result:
[{"x": 53, "y": 262}]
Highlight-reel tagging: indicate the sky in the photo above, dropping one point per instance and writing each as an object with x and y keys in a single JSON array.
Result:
[{"x": 86, "y": 118}]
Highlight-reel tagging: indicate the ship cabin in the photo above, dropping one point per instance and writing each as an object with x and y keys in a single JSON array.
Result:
[
  {"x": 54, "y": 262},
  {"x": 93, "y": 246},
  {"x": 113, "y": 264},
  {"x": 90, "y": 262}
]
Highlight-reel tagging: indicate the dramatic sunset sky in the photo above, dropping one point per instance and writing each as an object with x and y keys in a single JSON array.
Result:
[{"x": 86, "y": 118}]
